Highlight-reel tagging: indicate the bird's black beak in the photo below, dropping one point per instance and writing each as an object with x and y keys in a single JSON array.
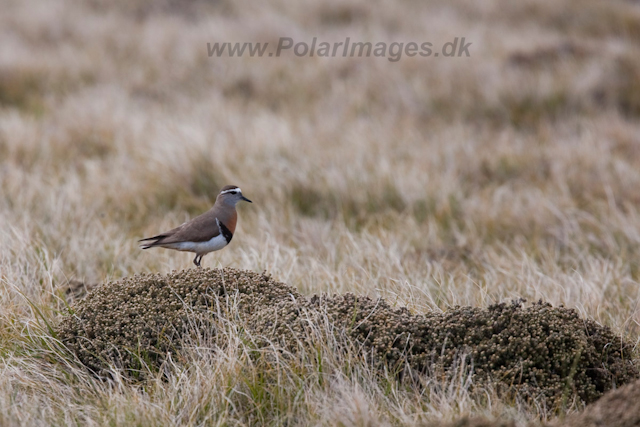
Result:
[{"x": 245, "y": 199}]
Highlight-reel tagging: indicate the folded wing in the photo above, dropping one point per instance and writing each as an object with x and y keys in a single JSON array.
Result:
[{"x": 200, "y": 229}]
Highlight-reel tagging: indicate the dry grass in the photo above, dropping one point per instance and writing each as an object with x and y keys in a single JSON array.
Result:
[{"x": 429, "y": 182}]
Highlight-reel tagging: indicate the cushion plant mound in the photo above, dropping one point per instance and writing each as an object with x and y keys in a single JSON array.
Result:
[
  {"x": 475, "y": 422},
  {"x": 540, "y": 351},
  {"x": 141, "y": 318},
  {"x": 618, "y": 408}
]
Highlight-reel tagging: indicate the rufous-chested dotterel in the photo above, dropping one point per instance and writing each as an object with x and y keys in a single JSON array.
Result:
[{"x": 206, "y": 233}]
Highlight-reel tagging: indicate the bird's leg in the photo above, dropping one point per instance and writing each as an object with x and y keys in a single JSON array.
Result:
[{"x": 196, "y": 261}]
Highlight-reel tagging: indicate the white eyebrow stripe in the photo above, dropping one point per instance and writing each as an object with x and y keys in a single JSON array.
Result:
[{"x": 230, "y": 190}]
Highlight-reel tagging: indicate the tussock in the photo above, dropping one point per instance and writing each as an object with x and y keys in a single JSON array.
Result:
[{"x": 539, "y": 351}]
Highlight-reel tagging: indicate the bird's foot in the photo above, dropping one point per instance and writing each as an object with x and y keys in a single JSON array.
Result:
[{"x": 197, "y": 260}]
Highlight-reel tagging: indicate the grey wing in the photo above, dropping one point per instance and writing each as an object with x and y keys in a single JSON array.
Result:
[{"x": 200, "y": 229}]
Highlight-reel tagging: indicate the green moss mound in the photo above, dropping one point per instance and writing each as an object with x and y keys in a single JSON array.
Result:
[{"x": 538, "y": 350}]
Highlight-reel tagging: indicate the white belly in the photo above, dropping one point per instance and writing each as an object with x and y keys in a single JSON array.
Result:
[{"x": 199, "y": 248}]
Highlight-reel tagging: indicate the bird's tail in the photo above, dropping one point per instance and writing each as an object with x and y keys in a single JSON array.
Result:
[{"x": 157, "y": 240}]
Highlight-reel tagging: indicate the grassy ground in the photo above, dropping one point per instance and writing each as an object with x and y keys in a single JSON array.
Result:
[{"x": 431, "y": 182}]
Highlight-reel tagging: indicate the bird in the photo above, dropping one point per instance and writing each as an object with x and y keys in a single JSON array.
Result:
[{"x": 208, "y": 232}]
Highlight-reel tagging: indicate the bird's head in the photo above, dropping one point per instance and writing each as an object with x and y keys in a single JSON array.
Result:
[{"x": 231, "y": 195}]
